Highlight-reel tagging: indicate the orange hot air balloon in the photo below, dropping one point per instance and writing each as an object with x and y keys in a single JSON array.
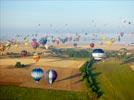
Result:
[{"x": 36, "y": 57}]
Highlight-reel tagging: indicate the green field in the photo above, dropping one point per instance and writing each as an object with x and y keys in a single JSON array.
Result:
[
  {"x": 116, "y": 80},
  {"x": 19, "y": 93}
]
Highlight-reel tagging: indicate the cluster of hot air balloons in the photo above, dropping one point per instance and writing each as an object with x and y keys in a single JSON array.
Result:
[{"x": 50, "y": 75}]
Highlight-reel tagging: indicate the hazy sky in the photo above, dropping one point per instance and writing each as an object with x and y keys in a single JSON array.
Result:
[{"x": 62, "y": 16}]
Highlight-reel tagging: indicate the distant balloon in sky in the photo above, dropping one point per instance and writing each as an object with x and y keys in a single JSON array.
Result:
[
  {"x": 98, "y": 54},
  {"x": 43, "y": 41},
  {"x": 104, "y": 38},
  {"x": 35, "y": 44},
  {"x": 121, "y": 34},
  {"x": 91, "y": 45},
  {"x": 85, "y": 33},
  {"x": 24, "y": 53},
  {"x": 51, "y": 76},
  {"x": 37, "y": 74},
  {"x": 109, "y": 43},
  {"x": 119, "y": 39},
  {"x": 36, "y": 57},
  {"x": 129, "y": 22},
  {"x": 75, "y": 44}
]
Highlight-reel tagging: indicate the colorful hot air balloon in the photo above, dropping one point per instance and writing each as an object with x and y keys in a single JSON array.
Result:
[
  {"x": 51, "y": 76},
  {"x": 43, "y": 41},
  {"x": 37, "y": 74},
  {"x": 98, "y": 54},
  {"x": 91, "y": 45},
  {"x": 23, "y": 53},
  {"x": 36, "y": 57},
  {"x": 35, "y": 44}
]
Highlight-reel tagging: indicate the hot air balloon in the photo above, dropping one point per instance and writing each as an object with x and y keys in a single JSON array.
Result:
[
  {"x": 35, "y": 44},
  {"x": 46, "y": 46},
  {"x": 36, "y": 57},
  {"x": 98, "y": 54},
  {"x": 51, "y": 76},
  {"x": 43, "y": 41},
  {"x": 104, "y": 38},
  {"x": 16, "y": 45},
  {"x": 23, "y": 53},
  {"x": 91, "y": 45},
  {"x": 75, "y": 44},
  {"x": 119, "y": 38},
  {"x": 26, "y": 41},
  {"x": 37, "y": 74},
  {"x": 109, "y": 43},
  {"x": 122, "y": 34}
]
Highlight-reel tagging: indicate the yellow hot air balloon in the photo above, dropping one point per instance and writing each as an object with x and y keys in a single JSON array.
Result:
[
  {"x": 26, "y": 43},
  {"x": 16, "y": 45},
  {"x": 36, "y": 57},
  {"x": 109, "y": 43},
  {"x": 104, "y": 38}
]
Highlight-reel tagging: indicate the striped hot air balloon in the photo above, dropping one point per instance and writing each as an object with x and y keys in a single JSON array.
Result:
[{"x": 51, "y": 76}]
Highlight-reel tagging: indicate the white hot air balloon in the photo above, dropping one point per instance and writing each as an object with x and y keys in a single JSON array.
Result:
[{"x": 98, "y": 54}]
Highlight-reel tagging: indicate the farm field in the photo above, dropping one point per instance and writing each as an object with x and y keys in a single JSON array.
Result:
[
  {"x": 116, "y": 80},
  {"x": 67, "y": 70},
  {"x": 17, "y": 93}
]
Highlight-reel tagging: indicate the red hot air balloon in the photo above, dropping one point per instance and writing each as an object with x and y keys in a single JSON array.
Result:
[
  {"x": 91, "y": 45},
  {"x": 23, "y": 53}
]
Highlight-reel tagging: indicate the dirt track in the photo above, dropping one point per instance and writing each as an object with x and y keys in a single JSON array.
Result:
[{"x": 68, "y": 73}]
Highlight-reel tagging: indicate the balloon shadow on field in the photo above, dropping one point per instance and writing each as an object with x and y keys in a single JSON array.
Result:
[
  {"x": 69, "y": 77},
  {"x": 28, "y": 65}
]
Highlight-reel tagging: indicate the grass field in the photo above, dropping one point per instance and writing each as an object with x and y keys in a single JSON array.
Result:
[
  {"x": 116, "y": 80},
  {"x": 17, "y": 93}
]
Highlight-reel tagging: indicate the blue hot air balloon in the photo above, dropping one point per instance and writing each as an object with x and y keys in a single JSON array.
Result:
[
  {"x": 37, "y": 74},
  {"x": 43, "y": 41},
  {"x": 51, "y": 76},
  {"x": 98, "y": 54}
]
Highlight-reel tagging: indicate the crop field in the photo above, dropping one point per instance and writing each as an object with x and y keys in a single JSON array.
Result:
[{"x": 116, "y": 80}]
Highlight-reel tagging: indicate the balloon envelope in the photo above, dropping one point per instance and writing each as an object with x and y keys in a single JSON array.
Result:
[
  {"x": 37, "y": 74},
  {"x": 35, "y": 44},
  {"x": 91, "y": 45},
  {"x": 98, "y": 54},
  {"x": 43, "y": 41},
  {"x": 23, "y": 53},
  {"x": 51, "y": 76}
]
